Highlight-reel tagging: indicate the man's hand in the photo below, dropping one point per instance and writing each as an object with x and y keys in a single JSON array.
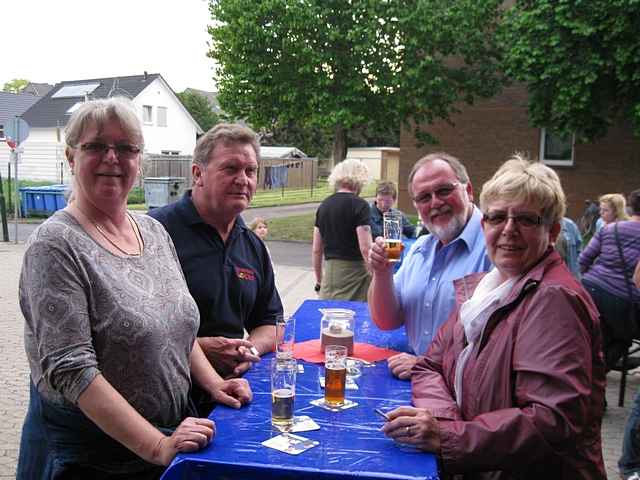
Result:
[
  {"x": 413, "y": 426},
  {"x": 229, "y": 356},
  {"x": 233, "y": 393},
  {"x": 378, "y": 258},
  {"x": 401, "y": 364}
]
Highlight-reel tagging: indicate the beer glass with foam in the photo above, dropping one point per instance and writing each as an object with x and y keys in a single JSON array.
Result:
[
  {"x": 392, "y": 230},
  {"x": 283, "y": 391},
  {"x": 335, "y": 374}
]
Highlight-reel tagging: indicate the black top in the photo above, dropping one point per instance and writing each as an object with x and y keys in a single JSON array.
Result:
[
  {"x": 337, "y": 218},
  {"x": 233, "y": 283}
]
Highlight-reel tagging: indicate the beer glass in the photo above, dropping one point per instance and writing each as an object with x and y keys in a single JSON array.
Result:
[
  {"x": 285, "y": 336},
  {"x": 392, "y": 229},
  {"x": 335, "y": 374},
  {"x": 283, "y": 391}
]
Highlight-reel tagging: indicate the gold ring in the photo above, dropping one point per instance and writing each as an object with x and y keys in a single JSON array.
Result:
[{"x": 408, "y": 430}]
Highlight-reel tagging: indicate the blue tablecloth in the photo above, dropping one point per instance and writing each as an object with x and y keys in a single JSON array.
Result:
[{"x": 351, "y": 444}]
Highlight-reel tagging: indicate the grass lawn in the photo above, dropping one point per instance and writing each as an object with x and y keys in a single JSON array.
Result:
[{"x": 297, "y": 227}]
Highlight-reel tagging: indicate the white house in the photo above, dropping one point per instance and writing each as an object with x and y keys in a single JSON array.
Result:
[
  {"x": 383, "y": 162},
  {"x": 11, "y": 105},
  {"x": 168, "y": 127}
]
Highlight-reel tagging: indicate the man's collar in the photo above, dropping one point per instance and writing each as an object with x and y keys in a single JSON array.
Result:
[
  {"x": 192, "y": 217},
  {"x": 468, "y": 235},
  {"x": 472, "y": 228}
]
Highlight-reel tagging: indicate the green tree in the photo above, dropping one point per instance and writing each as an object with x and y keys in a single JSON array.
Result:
[
  {"x": 580, "y": 60},
  {"x": 15, "y": 86},
  {"x": 199, "y": 108},
  {"x": 341, "y": 66}
]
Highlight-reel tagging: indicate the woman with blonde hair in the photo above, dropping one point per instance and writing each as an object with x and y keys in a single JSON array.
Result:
[
  {"x": 110, "y": 326},
  {"x": 613, "y": 208},
  {"x": 512, "y": 387},
  {"x": 342, "y": 236},
  {"x": 607, "y": 268}
]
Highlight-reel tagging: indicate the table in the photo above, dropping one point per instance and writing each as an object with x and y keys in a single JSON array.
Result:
[{"x": 351, "y": 444}]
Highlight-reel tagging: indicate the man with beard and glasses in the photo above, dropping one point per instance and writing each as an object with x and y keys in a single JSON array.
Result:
[
  {"x": 227, "y": 267},
  {"x": 420, "y": 295}
]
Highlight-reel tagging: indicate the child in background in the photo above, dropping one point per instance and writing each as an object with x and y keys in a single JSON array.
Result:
[{"x": 259, "y": 226}]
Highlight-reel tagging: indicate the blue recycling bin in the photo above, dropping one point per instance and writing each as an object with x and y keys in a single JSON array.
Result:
[{"x": 44, "y": 200}]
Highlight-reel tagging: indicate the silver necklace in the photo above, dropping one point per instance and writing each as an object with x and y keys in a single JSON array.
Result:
[{"x": 100, "y": 230}]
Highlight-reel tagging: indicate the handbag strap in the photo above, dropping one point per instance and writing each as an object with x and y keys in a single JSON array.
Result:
[{"x": 624, "y": 264}]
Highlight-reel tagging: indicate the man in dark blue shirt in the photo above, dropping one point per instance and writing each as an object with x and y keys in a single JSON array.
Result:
[
  {"x": 386, "y": 194},
  {"x": 227, "y": 267}
]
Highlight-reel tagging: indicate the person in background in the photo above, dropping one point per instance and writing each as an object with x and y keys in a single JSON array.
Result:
[
  {"x": 513, "y": 385},
  {"x": 420, "y": 295},
  {"x": 629, "y": 463},
  {"x": 386, "y": 195},
  {"x": 569, "y": 245},
  {"x": 588, "y": 221},
  {"x": 260, "y": 227},
  {"x": 110, "y": 327},
  {"x": 227, "y": 267},
  {"x": 342, "y": 236},
  {"x": 612, "y": 209},
  {"x": 604, "y": 277}
]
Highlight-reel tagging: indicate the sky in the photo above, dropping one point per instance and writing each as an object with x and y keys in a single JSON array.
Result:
[{"x": 48, "y": 41}]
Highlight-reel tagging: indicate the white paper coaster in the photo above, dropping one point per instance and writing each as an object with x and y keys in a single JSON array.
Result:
[
  {"x": 303, "y": 423},
  {"x": 289, "y": 443},
  {"x": 319, "y": 402}
]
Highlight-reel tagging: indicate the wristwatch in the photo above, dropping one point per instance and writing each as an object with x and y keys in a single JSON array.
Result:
[{"x": 317, "y": 288}]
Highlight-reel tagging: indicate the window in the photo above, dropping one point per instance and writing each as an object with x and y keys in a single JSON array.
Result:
[
  {"x": 170, "y": 152},
  {"x": 162, "y": 116},
  {"x": 147, "y": 114},
  {"x": 556, "y": 149},
  {"x": 2, "y": 132},
  {"x": 69, "y": 91},
  {"x": 73, "y": 108}
]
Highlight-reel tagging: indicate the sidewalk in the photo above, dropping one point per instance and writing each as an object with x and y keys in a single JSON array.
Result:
[{"x": 293, "y": 285}]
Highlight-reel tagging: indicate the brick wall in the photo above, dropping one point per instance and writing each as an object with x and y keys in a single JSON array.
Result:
[{"x": 485, "y": 135}]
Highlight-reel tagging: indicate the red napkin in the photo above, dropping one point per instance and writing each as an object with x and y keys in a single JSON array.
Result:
[{"x": 310, "y": 351}]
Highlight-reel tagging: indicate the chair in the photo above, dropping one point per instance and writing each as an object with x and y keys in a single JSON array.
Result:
[{"x": 625, "y": 365}]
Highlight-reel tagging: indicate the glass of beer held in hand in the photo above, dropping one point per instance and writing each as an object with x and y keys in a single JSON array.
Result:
[
  {"x": 392, "y": 229},
  {"x": 283, "y": 391},
  {"x": 335, "y": 374}
]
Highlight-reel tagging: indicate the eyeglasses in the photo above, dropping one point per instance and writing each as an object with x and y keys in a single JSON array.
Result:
[
  {"x": 122, "y": 150},
  {"x": 442, "y": 193},
  {"x": 524, "y": 220}
]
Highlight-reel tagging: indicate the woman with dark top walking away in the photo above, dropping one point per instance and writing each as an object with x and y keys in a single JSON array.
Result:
[{"x": 342, "y": 236}]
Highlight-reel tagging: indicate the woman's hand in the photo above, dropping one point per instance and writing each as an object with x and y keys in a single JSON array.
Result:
[
  {"x": 191, "y": 435},
  {"x": 233, "y": 393},
  {"x": 413, "y": 426},
  {"x": 401, "y": 364}
]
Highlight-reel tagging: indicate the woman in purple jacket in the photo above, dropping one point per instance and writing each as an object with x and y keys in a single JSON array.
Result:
[
  {"x": 513, "y": 385},
  {"x": 603, "y": 275}
]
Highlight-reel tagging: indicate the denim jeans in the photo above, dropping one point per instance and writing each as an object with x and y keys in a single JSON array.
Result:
[
  {"x": 630, "y": 460},
  {"x": 60, "y": 442}
]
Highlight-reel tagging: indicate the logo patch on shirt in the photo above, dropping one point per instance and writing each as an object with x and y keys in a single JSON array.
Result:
[{"x": 245, "y": 274}]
